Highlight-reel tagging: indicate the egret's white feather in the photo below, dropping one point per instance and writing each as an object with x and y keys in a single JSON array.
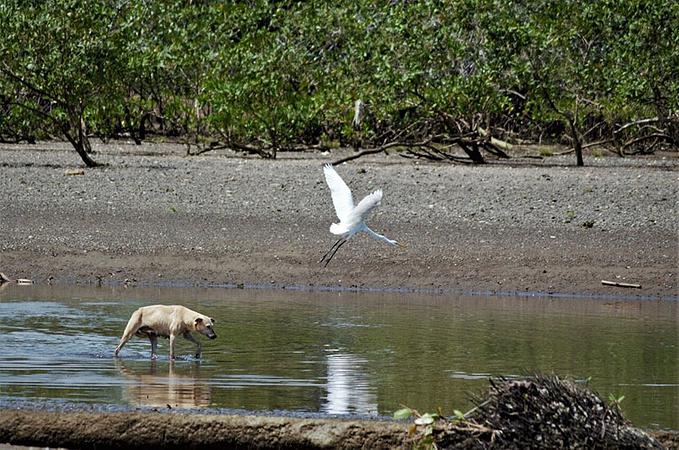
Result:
[
  {"x": 366, "y": 206},
  {"x": 341, "y": 194}
]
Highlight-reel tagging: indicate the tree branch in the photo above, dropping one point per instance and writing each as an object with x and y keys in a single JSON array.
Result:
[
  {"x": 637, "y": 122},
  {"x": 644, "y": 138},
  {"x": 381, "y": 148},
  {"x": 30, "y": 86}
]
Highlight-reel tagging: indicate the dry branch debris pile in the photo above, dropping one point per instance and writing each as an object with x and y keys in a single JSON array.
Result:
[{"x": 543, "y": 412}]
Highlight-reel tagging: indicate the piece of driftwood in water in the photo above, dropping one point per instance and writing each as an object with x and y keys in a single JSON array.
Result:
[{"x": 618, "y": 284}]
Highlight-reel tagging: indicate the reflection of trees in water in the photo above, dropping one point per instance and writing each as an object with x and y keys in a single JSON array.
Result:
[
  {"x": 154, "y": 384},
  {"x": 348, "y": 386}
]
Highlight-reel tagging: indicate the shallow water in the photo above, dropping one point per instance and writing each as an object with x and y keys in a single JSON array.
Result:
[{"x": 334, "y": 353}]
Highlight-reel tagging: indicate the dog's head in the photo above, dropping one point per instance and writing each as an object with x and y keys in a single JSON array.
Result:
[{"x": 204, "y": 324}]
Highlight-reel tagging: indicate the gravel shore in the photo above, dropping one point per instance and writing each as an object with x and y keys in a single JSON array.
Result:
[{"x": 154, "y": 216}]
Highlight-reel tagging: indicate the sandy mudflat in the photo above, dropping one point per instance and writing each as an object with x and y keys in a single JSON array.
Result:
[{"x": 154, "y": 216}]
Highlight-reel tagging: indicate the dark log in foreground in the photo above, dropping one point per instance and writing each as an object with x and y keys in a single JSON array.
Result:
[
  {"x": 538, "y": 412},
  {"x": 181, "y": 431}
]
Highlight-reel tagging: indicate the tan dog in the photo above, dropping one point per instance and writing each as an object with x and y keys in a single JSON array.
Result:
[{"x": 168, "y": 321}]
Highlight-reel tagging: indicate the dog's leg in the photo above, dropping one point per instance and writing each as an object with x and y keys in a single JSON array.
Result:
[
  {"x": 172, "y": 338},
  {"x": 199, "y": 348},
  {"x": 154, "y": 345},
  {"x": 131, "y": 328}
]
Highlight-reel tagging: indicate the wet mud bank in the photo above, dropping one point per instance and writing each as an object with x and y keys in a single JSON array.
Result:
[{"x": 153, "y": 216}]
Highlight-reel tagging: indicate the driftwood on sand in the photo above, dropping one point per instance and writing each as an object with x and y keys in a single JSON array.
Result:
[
  {"x": 619, "y": 284},
  {"x": 21, "y": 281}
]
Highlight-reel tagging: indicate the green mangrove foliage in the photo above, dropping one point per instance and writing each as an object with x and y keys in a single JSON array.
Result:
[{"x": 267, "y": 76}]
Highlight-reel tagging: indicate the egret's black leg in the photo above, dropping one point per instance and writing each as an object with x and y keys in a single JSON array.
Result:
[
  {"x": 333, "y": 253},
  {"x": 331, "y": 249}
]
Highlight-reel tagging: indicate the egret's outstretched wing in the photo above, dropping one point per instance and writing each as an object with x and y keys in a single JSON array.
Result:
[
  {"x": 341, "y": 194},
  {"x": 366, "y": 206}
]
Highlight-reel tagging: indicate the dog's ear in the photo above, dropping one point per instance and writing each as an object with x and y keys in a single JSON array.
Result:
[
  {"x": 213, "y": 320},
  {"x": 199, "y": 319}
]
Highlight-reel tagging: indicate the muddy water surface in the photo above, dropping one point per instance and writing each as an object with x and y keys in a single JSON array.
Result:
[{"x": 334, "y": 353}]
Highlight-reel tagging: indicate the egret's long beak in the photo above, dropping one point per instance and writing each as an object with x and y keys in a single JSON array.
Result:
[{"x": 401, "y": 244}]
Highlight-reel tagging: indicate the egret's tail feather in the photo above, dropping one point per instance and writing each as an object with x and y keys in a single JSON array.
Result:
[{"x": 338, "y": 229}]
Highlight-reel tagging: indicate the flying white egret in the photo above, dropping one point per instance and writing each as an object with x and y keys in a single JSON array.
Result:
[{"x": 351, "y": 218}]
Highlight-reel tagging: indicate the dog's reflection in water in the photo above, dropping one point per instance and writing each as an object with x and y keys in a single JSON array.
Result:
[{"x": 159, "y": 384}]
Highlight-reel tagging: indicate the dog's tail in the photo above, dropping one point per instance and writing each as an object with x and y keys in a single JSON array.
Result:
[{"x": 131, "y": 328}]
